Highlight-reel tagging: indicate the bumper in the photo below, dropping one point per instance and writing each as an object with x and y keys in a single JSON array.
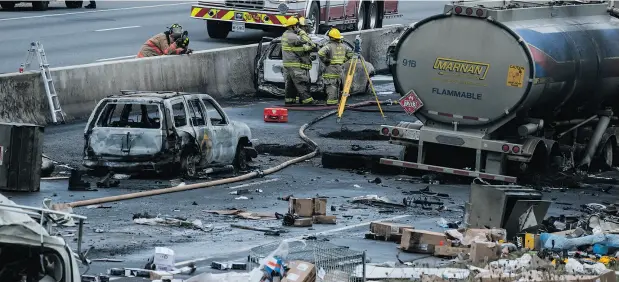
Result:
[
  {"x": 441, "y": 169},
  {"x": 234, "y": 15},
  {"x": 127, "y": 166}
]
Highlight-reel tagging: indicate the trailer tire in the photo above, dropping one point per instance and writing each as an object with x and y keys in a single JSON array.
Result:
[
  {"x": 217, "y": 29},
  {"x": 314, "y": 15},
  {"x": 7, "y": 5},
  {"x": 362, "y": 17},
  {"x": 40, "y": 5},
  {"x": 74, "y": 4},
  {"x": 374, "y": 19}
]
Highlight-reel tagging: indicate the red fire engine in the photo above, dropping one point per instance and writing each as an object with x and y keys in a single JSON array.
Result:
[{"x": 237, "y": 15}]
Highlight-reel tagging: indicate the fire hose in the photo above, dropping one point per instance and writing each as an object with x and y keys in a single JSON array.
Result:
[{"x": 247, "y": 176}]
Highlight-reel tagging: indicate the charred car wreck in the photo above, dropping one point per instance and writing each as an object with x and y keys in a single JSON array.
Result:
[
  {"x": 166, "y": 132},
  {"x": 269, "y": 76}
]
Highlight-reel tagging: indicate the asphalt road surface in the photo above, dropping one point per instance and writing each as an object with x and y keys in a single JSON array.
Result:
[{"x": 117, "y": 29}]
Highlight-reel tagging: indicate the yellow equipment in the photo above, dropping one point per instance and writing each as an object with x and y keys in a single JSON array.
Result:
[
  {"x": 291, "y": 21},
  {"x": 351, "y": 74},
  {"x": 302, "y": 21}
]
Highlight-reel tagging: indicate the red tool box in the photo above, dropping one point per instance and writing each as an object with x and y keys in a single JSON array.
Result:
[{"x": 275, "y": 115}]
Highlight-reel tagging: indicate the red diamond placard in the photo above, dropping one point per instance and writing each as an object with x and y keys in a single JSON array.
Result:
[{"x": 410, "y": 102}]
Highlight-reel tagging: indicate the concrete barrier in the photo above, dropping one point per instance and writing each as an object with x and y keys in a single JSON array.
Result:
[{"x": 222, "y": 73}]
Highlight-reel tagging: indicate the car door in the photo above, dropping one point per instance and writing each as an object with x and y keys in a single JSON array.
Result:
[
  {"x": 198, "y": 118},
  {"x": 273, "y": 65},
  {"x": 182, "y": 124},
  {"x": 223, "y": 135}
]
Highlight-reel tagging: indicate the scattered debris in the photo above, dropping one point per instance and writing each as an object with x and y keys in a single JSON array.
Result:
[
  {"x": 376, "y": 180},
  {"x": 145, "y": 219},
  {"x": 241, "y": 198},
  {"x": 375, "y": 200},
  {"x": 267, "y": 231},
  {"x": 246, "y": 215},
  {"x": 98, "y": 207},
  {"x": 108, "y": 181}
]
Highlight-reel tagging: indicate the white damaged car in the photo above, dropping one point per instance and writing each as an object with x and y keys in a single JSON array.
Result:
[{"x": 269, "y": 77}]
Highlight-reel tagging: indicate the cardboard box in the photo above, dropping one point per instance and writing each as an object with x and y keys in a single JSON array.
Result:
[
  {"x": 303, "y": 222},
  {"x": 307, "y": 207},
  {"x": 164, "y": 259},
  {"x": 391, "y": 231},
  {"x": 421, "y": 241},
  {"x": 320, "y": 206},
  {"x": 325, "y": 219},
  {"x": 300, "y": 271},
  {"x": 447, "y": 251},
  {"x": 483, "y": 252},
  {"x": 301, "y": 207}
]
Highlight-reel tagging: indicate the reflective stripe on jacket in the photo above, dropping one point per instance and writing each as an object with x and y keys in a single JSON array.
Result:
[
  {"x": 155, "y": 46},
  {"x": 295, "y": 52},
  {"x": 334, "y": 54}
]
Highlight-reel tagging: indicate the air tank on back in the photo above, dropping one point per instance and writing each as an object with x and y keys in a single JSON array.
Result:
[{"x": 481, "y": 67}]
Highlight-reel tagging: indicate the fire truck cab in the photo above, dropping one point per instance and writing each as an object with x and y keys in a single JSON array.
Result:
[{"x": 270, "y": 15}]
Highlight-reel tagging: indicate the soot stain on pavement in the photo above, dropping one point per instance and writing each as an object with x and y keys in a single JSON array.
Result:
[
  {"x": 366, "y": 134},
  {"x": 296, "y": 150}
]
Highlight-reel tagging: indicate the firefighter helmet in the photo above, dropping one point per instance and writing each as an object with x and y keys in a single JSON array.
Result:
[
  {"x": 175, "y": 30},
  {"x": 335, "y": 34},
  {"x": 292, "y": 21}
]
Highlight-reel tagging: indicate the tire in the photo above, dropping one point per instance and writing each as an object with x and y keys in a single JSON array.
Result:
[
  {"x": 7, "y": 5},
  {"x": 374, "y": 20},
  {"x": 189, "y": 168},
  {"x": 314, "y": 15},
  {"x": 217, "y": 29},
  {"x": 240, "y": 159},
  {"x": 74, "y": 4},
  {"x": 40, "y": 5},
  {"x": 362, "y": 22}
]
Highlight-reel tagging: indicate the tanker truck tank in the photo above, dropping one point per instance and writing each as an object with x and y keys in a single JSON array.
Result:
[{"x": 483, "y": 67}]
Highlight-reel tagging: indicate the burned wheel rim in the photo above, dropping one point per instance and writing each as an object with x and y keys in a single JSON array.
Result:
[
  {"x": 189, "y": 166},
  {"x": 241, "y": 159}
]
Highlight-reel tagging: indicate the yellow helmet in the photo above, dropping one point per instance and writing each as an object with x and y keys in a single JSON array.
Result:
[
  {"x": 291, "y": 21},
  {"x": 302, "y": 21},
  {"x": 335, "y": 34}
]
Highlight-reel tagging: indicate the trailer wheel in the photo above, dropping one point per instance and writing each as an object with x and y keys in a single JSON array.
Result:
[
  {"x": 7, "y": 5},
  {"x": 217, "y": 29},
  {"x": 314, "y": 15},
  {"x": 362, "y": 16},
  {"x": 74, "y": 4},
  {"x": 40, "y": 5},
  {"x": 374, "y": 20}
]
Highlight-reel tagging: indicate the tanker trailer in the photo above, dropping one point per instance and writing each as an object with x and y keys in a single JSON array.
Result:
[{"x": 500, "y": 91}]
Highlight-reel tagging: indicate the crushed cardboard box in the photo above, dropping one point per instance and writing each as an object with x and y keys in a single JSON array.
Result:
[
  {"x": 484, "y": 252},
  {"x": 388, "y": 230},
  {"x": 450, "y": 252},
  {"x": 422, "y": 241},
  {"x": 325, "y": 219},
  {"x": 303, "y": 222}
]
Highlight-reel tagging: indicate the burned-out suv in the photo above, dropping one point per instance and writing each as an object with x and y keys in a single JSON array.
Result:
[{"x": 166, "y": 132}]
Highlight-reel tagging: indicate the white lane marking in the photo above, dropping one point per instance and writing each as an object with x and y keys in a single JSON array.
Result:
[
  {"x": 116, "y": 58},
  {"x": 253, "y": 183},
  {"x": 98, "y": 11},
  {"x": 117, "y": 28},
  {"x": 390, "y": 25},
  {"x": 335, "y": 230}
]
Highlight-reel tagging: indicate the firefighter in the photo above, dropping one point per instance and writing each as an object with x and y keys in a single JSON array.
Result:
[
  {"x": 297, "y": 63},
  {"x": 306, "y": 24},
  {"x": 160, "y": 44},
  {"x": 334, "y": 54}
]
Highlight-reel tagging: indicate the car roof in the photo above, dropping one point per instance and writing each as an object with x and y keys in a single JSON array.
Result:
[{"x": 150, "y": 95}]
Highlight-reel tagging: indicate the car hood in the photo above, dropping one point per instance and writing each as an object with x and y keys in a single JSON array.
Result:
[{"x": 19, "y": 228}]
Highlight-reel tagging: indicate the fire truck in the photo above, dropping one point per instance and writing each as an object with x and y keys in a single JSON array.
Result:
[{"x": 270, "y": 15}]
